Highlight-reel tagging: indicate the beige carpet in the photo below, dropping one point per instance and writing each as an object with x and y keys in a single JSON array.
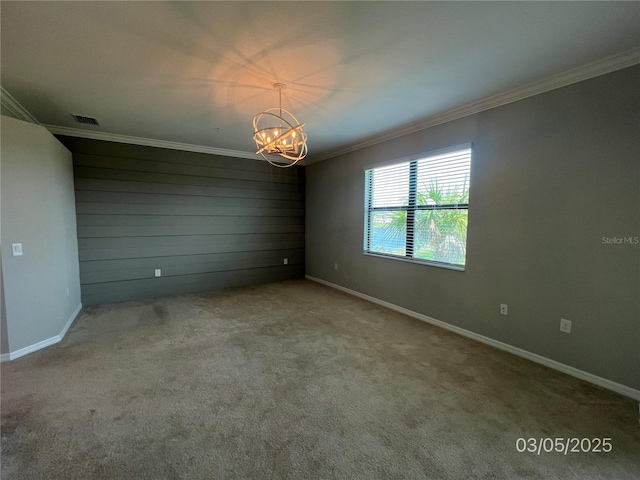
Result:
[{"x": 293, "y": 380}]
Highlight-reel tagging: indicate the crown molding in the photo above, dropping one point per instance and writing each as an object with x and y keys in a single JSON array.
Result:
[
  {"x": 13, "y": 106},
  {"x": 149, "y": 142},
  {"x": 575, "y": 75}
]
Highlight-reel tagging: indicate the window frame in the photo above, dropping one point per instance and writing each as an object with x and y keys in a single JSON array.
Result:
[{"x": 411, "y": 208}]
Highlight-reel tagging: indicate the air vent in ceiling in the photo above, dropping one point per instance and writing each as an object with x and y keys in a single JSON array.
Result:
[{"x": 86, "y": 120}]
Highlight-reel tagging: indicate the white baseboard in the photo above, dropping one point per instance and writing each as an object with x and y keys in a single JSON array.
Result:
[
  {"x": 44, "y": 343},
  {"x": 70, "y": 321},
  {"x": 35, "y": 347},
  {"x": 547, "y": 362}
]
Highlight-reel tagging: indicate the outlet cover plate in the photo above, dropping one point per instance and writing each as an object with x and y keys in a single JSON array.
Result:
[
  {"x": 565, "y": 325},
  {"x": 16, "y": 249}
]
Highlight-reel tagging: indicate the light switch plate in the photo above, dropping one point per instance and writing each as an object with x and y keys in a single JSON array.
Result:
[{"x": 16, "y": 248}]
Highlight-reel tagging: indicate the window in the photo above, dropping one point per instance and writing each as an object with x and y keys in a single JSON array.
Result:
[{"x": 416, "y": 209}]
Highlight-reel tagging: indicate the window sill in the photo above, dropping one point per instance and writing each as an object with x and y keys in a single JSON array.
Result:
[{"x": 448, "y": 266}]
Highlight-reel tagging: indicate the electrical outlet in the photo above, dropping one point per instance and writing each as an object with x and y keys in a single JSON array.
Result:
[
  {"x": 158, "y": 272},
  {"x": 565, "y": 325},
  {"x": 335, "y": 266},
  {"x": 504, "y": 309},
  {"x": 286, "y": 261}
]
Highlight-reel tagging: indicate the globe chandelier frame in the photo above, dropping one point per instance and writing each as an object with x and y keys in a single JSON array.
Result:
[{"x": 277, "y": 131}]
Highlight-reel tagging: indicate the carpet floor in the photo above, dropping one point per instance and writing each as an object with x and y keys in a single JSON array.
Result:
[{"x": 294, "y": 380}]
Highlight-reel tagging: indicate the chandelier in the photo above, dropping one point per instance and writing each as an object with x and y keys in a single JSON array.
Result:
[{"x": 277, "y": 132}]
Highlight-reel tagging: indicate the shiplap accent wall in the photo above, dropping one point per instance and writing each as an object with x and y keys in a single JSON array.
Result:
[{"x": 207, "y": 221}]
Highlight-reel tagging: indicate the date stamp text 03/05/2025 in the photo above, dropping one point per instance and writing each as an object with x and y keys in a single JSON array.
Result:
[{"x": 563, "y": 445}]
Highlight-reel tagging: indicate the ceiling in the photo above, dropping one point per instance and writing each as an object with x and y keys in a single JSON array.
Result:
[{"x": 197, "y": 72}]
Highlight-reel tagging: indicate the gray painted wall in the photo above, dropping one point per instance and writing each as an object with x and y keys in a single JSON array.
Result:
[
  {"x": 38, "y": 210},
  {"x": 208, "y": 222},
  {"x": 551, "y": 175},
  {"x": 4, "y": 337}
]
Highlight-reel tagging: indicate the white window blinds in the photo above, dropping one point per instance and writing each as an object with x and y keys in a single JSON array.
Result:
[{"x": 418, "y": 209}]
